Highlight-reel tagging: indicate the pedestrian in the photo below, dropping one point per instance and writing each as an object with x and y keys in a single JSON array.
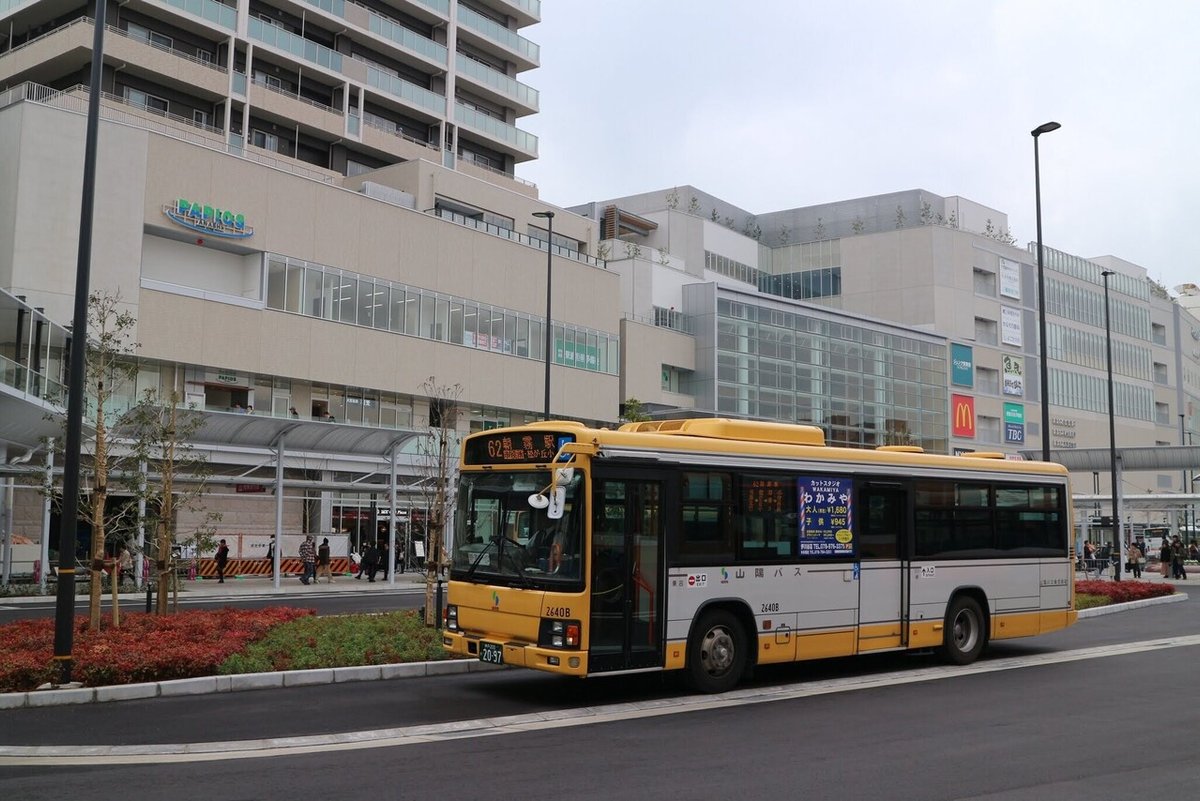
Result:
[
  {"x": 1178, "y": 554},
  {"x": 370, "y": 562},
  {"x": 222, "y": 560},
  {"x": 295, "y": 414},
  {"x": 323, "y": 561},
  {"x": 125, "y": 565},
  {"x": 1164, "y": 556},
  {"x": 1135, "y": 560},
  {"x": 308, "y": 556}
]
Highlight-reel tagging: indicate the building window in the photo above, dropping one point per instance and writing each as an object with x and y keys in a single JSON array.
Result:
[
  {"x": 1160, "y": 373},
  {"x": 200, "y": 117},
  {"x": 1158, "y": 333},
  {"x": 150, "y": 37},
  {"x": 136, "y": 97},
  {"x": 987, "y": 380},
  {"x": 264, "y": 140},
  {"x": 985, "y": 331},
  {"x": 987, "y": 429},
  {"x": 985, "y": 283}
]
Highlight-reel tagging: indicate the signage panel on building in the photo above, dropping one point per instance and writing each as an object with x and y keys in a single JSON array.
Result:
[
  {"x": 208, "y": 219},
  {"x": 1014, "y": 375},
  {"x": 1014, "y": 424},
  {"x": 962, "y": 365},
  {"x": 1010, "y": 326},
  {"x": 962, "y": 416},
  {"x": 1010, "y": 279}
]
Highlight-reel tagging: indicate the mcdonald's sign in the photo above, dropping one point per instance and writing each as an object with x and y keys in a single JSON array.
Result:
[{"x": 962, "y": 411}]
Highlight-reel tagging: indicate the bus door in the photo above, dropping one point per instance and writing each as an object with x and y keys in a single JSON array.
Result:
[
  {"x": 626, "y": 573},
  {"x": 882, "y": 514}
]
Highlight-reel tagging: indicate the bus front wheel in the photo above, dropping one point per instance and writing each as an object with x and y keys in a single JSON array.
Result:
[
  {"x": 717, "y": 652},
  {"x": 964, "y": 635}
]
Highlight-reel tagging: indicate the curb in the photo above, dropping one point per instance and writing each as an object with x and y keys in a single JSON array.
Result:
[
  {"x": 1112, "y": 609},
  {"x": 243, "y": 681}
]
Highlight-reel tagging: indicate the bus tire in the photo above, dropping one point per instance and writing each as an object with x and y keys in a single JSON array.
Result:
[
  {"x": 965, "y": 634},
  {"x": 716, "y": 652}
]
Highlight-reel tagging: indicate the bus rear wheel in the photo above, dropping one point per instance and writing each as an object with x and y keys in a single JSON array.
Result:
[
  {"x": 964, "y": 635},
  {"x": 716, "y": 653}
]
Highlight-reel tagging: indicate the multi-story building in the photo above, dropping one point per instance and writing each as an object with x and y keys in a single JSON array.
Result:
[
  {"x": 310, "y": 210},
  {"x": 955, "y": 366}
]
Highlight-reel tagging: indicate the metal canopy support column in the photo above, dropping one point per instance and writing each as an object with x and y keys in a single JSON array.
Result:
[
  {"x": 278, "y": 508},
  {"x": 391, "y": 569},
  {"x": 1118, "y": 526}
]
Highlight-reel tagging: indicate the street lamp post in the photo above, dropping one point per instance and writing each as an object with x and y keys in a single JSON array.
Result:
[
  {"x": 1112, "y": 438},
  {"x": 1041, "y": 276},
  {"x": 548, "y": 216}
]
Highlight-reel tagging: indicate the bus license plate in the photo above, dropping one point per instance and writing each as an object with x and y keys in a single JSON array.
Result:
[{"x": 491, "y": 652}]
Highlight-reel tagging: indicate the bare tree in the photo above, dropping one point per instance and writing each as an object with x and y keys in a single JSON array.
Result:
[{"x": 437, "y": 459}]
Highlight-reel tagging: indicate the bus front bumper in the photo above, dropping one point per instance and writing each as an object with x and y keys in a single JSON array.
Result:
[{"x": 517, "y": 654}]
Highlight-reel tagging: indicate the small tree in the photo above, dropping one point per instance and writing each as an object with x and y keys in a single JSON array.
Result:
[
  {"x": 785, "y": 234},
  {"x": 858, "y": 225},
  {"x": 926, "y": 213},
  {"x": 160, "y": 437},
  {"x": 436, "y": 460},
  {"x": 633, "y": 250},
  {"x": 108, "y": 368},
  {"x": 900, "y": 217},
  {"x": 952, "y": 220},
  {"x": 819, "y": 229},
  {"x": 693, "y": 205},
  {"x": 673, "y": 198},
  {"x": 633, "y": 411}
]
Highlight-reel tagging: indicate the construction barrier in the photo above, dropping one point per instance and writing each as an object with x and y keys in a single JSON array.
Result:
[{"x": 288, "y": 566}]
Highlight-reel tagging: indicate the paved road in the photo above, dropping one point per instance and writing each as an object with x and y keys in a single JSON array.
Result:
[{"x": 1040, "y": 718}]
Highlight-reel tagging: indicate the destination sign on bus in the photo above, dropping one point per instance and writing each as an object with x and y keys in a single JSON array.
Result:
[{"x": 527, "y": 447}]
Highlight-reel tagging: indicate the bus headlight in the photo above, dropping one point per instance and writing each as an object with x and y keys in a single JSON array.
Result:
[
  {"x": 559, "y": 633},
  {"x": 452, "y": 617}
]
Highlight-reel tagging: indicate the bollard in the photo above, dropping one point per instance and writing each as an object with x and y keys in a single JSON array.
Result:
[
  {"x": 149, "y": 597},
  {"x": 438, "y": 616}
]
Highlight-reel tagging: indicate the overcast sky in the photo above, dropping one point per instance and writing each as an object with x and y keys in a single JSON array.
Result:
[{"x": 772, "y": 105}]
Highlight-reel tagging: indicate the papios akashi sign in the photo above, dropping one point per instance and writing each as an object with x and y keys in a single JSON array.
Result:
[{"x": 208, "y": 219}]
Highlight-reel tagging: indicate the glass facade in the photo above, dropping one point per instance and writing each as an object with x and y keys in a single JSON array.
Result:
[
  {"x": 864, "y": 387},
  {"x": 314, "y": 290},
  {"x": 1086, "y": 306},
  {"x": 1088, "y": 349},
  {"x": 1089, "y": 393}
]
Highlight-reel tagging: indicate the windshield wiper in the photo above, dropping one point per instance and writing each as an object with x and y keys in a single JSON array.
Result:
[
  {"x": 478, "y": 558},
  {"x": 500, "y": 539}
]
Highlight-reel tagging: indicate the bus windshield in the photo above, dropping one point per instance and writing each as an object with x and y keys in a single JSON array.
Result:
[{"x": 500, "y": 538}]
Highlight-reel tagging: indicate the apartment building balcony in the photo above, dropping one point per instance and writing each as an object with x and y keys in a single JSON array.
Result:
[
  {"x": 382, "y": 33},
  {"x": 412, "y": 96},
  {"x": 214, "y": 13},
  {"x": 68, "y": 49},
  {"x": 525, "y": 12},
  {"x": 386, "y": 137},
  {"x": 295, "y": 46},
  {"x": 521, "y": 145},
  {"x": 491, "y": 36},
  {"x": 496, "y": 86},
  {"x": 293, "y": 109}
]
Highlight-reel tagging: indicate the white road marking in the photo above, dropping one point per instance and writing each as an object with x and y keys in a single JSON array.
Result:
[{"x": 81, "y": 755}]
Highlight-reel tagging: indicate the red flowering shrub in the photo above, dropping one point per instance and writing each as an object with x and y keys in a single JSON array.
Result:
[
  {"x": 1119, "y": 592},
  {"x": 145, "y": 648}
]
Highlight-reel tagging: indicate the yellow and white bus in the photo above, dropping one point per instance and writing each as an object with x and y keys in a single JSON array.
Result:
[{"x": 713, "y": 545}]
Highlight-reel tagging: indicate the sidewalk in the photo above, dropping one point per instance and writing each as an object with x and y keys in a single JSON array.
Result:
[{"x": 249, "y": 587}]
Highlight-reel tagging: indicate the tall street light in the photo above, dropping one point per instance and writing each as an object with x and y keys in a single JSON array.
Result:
[
  {"x": 1112, "y": 438},
  {"x": 1041, "y": 276},
  {"x": 548, "y": 216}
]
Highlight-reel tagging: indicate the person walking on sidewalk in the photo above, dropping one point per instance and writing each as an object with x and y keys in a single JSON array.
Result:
[
  {"x": 1135, "y": 560},
  {"x": 222, "y": 560},
  {"x": 1164, "y": 556},
  {"x": 308, "y": 555},
  {"x": 323, "y": 561}
]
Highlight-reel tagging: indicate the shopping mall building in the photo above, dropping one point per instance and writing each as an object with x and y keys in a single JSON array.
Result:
[{"x": 312, "y": 210}]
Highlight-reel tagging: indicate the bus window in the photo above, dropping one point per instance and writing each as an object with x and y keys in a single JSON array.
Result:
[
  {"x": 767, "y": 517},
  {"x": 706, "y": 535}
]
